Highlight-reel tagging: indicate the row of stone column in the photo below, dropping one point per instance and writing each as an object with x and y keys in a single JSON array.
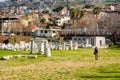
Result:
[{"x": 43, "y": 47}]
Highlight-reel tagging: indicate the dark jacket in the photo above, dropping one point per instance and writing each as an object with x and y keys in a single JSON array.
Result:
[{"x": 96, "y": 50}]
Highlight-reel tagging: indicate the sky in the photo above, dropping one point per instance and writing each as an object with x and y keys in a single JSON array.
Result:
[{"x": 2, "y": 0}]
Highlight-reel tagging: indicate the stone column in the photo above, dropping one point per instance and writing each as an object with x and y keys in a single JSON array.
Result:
[
  {"x": 47, "y": 49},
  {"x": 71, "y": 45},
  {"x": 39, "y": 48},
  {"x": 42, "y": 47},
  {"x": 45, "y": 44},
  {"x": 63, "y": 45},
  {"x": 48, "y": 52},
  {"x": 56, "y": 46},
  {"x": 75, "y": 45},
  {"x": 31, "y": 47},
  {"x": 87, "y": 43}
]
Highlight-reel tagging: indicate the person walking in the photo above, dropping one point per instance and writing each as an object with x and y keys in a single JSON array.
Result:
[{"x": 96, "y": 53}]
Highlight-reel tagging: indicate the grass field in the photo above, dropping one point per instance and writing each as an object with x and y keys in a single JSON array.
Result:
[{"x": 63, "y": 65}]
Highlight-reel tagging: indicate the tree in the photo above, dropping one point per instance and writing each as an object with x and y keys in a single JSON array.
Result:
[
  {"x": 88, "y": 24},
  {"x": 58, "y": 9},
  {"x": 42, "y": 23},
  {"x": 64, "y": 25},
  {"x": 111, "y": 26},
  {"x": 45, "y": 12},
  {"x": 88, "y": 6},
  {"x": 76, "y": 15},
  {"x": 114, "y": 26},
  {"x": 82, "y": 13},
  {"x": 96, "y": 10}
]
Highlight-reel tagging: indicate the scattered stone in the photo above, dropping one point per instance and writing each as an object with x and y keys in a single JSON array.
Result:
[
  {"x": 19, "y": 56},
  {"x": 6, "y": 57}
]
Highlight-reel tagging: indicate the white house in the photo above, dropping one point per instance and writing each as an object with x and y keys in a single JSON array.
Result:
[
  {"x": 60, "y": 21},
  {"x": 90, "y": 41},
  {"x": 46, "y": 32}
]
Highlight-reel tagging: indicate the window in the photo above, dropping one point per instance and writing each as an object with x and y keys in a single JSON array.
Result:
[
  {"x": 89, "y": 41},
  {"x": 79, "y": 38},
  {"x": 92, "y": 41},
  {"x": 75, "y": 39},
  {"x": 41, "y": 31},
  {"x": 45, "y": 31},
  {"x": 84, "y": 39},
  {"x": 53, "y": 31}
]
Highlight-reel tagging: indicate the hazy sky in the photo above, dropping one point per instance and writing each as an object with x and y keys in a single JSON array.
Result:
[{"x": 2, "y": 0}]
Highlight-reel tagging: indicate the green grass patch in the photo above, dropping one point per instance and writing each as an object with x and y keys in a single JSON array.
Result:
[
  {"x": 106, "y": 72},
  {"x": 62, "y": 65}
]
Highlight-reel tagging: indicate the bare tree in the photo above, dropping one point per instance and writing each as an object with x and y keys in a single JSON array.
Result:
[{"x": 111, "y": 25}]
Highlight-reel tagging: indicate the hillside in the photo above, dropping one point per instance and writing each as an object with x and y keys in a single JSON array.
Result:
[{"x": 14, "y": 39}]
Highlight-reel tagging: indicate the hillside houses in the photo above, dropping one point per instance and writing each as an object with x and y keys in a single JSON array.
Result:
[{"x": 29, "y": 15}]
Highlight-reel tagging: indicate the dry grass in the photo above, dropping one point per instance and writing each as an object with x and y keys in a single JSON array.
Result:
[{"x": 63, "y": 65}]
